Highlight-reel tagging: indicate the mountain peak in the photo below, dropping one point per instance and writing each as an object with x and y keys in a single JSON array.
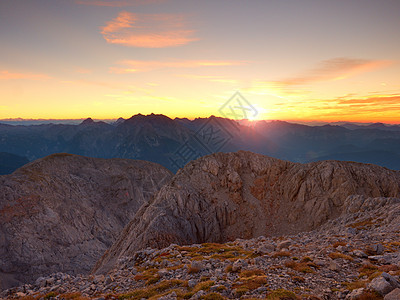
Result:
[
  {"x": 88, "y": 121},
  {"x": 148, "y": 118}
]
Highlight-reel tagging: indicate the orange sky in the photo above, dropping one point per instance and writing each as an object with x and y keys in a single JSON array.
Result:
[{"x": 292, "y": 60}]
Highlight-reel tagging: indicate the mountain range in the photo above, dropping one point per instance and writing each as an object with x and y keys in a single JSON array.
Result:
[{"x": 174, "y": 142}]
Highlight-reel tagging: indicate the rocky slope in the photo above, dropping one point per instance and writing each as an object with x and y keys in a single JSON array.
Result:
[
  {"x": 225, "y": 196},
  {"x": 62, "y": 212},
  {"x": 356, "y": 256}
]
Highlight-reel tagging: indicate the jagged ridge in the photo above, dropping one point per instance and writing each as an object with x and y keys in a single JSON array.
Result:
[{"x": 225, "y": 196}]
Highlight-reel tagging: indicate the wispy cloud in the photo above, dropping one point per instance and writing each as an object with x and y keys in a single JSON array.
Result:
[
  {"x": 7, "y": 75},
  {"x": 147, "y": 31},
  {"x": 133, "y": 66},
  {"x": 117, "y": 3},
  {"x": 328, "y": 70},
  {"x": 334, "y": 69},
  {"x": 378, "y": 100},
  {"x": 211, "y": 78},
  {"x": 354, "y": 107}
]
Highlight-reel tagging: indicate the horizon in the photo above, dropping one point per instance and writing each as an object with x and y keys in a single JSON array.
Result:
[
  {"x": 296, "y": 61},
  {"x": 300, "y": 122}
]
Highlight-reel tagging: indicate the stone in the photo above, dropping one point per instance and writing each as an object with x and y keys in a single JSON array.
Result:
[
  {"x": 392, "y": 280},
  {"x": 283, "y": 244},
  {"x": 393, "y": 295},
  {"x": 360, "y": 253},
  {"x": 355, "y": 294},
  {"x": 192, "y": 283},
  {"x": 333, "y": 266},
  {"x": 238, "y": 265},
  {"x": 383, "y": 284},
  {"x": 163, "y": 272}
]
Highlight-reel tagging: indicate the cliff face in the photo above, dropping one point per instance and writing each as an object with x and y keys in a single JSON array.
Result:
[
  {"x": 225, "y": 196},
  {"x": 61, "y": 213}
]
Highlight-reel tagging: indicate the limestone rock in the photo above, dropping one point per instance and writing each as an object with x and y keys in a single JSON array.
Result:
[
  {"x": 61, "y": 213},
  {"x": 384, "y": 284},
  {"x": 393, "y": 295},
  {"x": 224, "y": 196},
  {"x": 355, "y": 294}
]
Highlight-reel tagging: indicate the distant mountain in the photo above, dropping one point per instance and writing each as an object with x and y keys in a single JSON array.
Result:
[
  {"x": 386, "y": 159},
  {"x": 380, "y": 126},
  {"x": 61, "y": 212},
  {"x": 10, "y": 162},
  {"x": 174, "y": 142}
]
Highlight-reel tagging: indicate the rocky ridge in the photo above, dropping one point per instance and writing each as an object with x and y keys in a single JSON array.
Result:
[
  {"x": 225, "y": 196},
  {"x": 355, "y": 256},
  {"x": 61, "y": 213}
]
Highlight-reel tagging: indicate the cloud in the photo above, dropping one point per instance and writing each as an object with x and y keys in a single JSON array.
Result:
[
  {"x": 211, "y": 78},
  {"x": 117, "y": 3},
  {"x": 334, "y": 69},
  {"x": 328, "y": 70},
  {"x": 133, "y": 66},
  {"x": 7, "y": 75},
  {"x": 147, "y": 31},
  {"x": 355, "y": 107},
  {"x": 83, "y": 71},
  {"x": 378, "y": 100}
]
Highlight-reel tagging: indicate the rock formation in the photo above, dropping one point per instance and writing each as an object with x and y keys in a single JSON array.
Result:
[
  {"x": 61, "y": 213},
  {"x": 225, "y": 196}
]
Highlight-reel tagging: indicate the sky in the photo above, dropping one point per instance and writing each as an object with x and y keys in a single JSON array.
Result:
[{"x": 304, "y": 60}]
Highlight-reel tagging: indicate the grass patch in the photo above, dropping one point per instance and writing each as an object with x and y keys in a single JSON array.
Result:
[
  {"x": 368, "y": 295},
  {"x": 193, "y": 270},
  {"x": 154, "y": 290},
  {"x": 336, "y": 255},
  {"x": 303, "y": 267},
  {"x": 251, "y": 273},
  {"x": 205, "y": 286},
  {"x": 368, "y": 270},
  {"x": 366, "y": 224},
  {"x": 355, "y": 284},
  {"x": 337, "y": 244},
  {"x": 281, "y": 254},
  {"x": 282, "y": 294}
]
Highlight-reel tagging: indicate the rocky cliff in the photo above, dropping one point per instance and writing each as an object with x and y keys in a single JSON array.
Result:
[
  {"x": 62, "y": 212},
  {"x": 225, "y": 196}
]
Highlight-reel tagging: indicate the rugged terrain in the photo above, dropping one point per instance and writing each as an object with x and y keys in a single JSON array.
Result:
[
  {"x": 356, "y": 256},
  {"x": 225, "y": 196},
  {"x": 61, "y": 213},
  {"x": 227, "y": 225}
]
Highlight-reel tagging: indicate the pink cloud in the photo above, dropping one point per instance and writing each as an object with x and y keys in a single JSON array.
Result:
[
  {"x": 334, "y": 69},
  {"x": 6, "y": 75},
  {"x": 147, "y": 31}
]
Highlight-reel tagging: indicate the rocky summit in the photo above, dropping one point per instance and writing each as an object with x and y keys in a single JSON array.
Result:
[
  {"x": 355, "y": 256},
  {"x": 225, "y": 196},
  {"x": 61, "y": 213}
]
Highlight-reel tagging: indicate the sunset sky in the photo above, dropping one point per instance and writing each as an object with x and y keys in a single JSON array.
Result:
[{"x": 303, "y": 60}]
